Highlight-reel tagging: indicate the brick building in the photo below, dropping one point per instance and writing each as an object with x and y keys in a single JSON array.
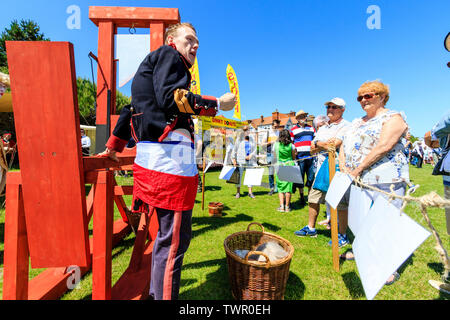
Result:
[{"x": 287, "y": 120}]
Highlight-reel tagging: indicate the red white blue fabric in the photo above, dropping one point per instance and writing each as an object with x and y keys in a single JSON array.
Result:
[{"x": 165, "y": 173}]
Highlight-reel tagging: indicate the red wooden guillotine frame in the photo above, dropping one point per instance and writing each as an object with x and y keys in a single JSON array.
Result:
[
  {"x": 47, "y": 211},
  {"x": 108, "y": 19}
]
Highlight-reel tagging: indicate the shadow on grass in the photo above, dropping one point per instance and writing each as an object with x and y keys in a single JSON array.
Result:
[
  {"x": 212, "y": 223},
  {"x": 405, "y": 264},
  {"x": 439, "y": 269},
  {"x": 324, "y": 232},
  {"x": 353, "y": 284},
  {"x": 216, "y": 286},
  {"x": 436, "y": 267},
  {"x": 271, "y": 227},
  {"x": 295, "y": 205},
  {"x": 295, "y": 288},
  {"x": 260, "y": 193},
  {"x": 123, "y": 245},
  {"x": 213, "y": 188}
]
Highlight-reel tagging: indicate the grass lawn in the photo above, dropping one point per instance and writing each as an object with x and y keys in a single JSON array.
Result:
[{"x": 312, "y": 277}]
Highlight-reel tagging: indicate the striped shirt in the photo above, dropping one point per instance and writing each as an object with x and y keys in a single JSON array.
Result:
[{"x": 302, "y": 137}]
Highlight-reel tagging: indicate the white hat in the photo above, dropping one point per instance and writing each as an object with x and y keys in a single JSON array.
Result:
[{"x": 337, "y": 101}]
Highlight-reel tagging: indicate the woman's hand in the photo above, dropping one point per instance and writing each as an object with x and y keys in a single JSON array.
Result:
[
  {"x": 227, "y": 101},
  {"x": 109, "y": 153},
  {"x": 354, "y": 173}
]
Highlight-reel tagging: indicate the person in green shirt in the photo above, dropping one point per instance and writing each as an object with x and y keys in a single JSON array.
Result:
[{"x": 285, "y": 154}]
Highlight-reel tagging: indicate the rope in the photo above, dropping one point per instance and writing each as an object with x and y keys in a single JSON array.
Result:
[
  {"x": 431, "y": 199},
  {"x": 272, "y": 165}
]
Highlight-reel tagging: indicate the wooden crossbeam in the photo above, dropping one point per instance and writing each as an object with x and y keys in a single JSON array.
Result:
[
  {"x": 95, "y": 163},
  {"x": 127, "y": 17}
]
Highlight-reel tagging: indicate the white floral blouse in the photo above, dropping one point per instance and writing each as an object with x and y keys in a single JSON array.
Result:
[{"x": 362, "y": 137}]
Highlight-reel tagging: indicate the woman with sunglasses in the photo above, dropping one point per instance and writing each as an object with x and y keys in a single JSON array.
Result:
[{"x": 372, "y": 149}]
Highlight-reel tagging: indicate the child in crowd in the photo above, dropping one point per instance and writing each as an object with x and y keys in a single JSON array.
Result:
[{"x": 285, "y": 153}]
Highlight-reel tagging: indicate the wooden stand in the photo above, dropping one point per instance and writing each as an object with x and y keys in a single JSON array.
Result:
[
  {"x": 203, "y": 184},
  {"x": 334, "y": 216}
]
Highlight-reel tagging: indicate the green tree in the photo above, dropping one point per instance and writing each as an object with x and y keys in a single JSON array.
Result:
[
  {"x": 86, "y": 101},
  {"x": 25, "y": 30},
  {"x": 121, "y": 101},
  {"x": 87, "y": 97}
]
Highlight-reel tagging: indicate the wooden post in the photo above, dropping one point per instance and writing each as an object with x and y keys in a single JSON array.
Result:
[
  {"x": 103, "y": 231},
  {"x": 16, "y": 267},
  {"x": 334, "y": 216},
  {"x": 105, "y": 82},
  {"x": 203, "y": 184},
  {"x": 156, "y": 35}
]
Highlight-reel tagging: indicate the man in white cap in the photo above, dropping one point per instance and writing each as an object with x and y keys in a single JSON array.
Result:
[
  {"x": 323, "y": 141},
  {"x": 302, "y": 135}
]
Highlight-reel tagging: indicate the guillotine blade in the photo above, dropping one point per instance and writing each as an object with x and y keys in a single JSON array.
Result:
[{"x": 45, "y": 105}]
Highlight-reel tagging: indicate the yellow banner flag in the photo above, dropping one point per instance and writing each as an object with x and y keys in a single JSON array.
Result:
[
  {"x": 234, "y": 88},
  {"x": 195, "y": 78}
]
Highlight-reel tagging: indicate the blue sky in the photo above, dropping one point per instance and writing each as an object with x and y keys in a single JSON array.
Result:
[{"x": 292, "y": 55}]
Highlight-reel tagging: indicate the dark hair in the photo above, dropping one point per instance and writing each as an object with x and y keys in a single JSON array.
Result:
[
  {"x": 247, "y": 138},
  {"x": 285, "y": 137}
]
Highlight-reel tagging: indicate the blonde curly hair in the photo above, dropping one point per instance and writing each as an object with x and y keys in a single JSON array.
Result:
[{"x": 377, "y": 87}]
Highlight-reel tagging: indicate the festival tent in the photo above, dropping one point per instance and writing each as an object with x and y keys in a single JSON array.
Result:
[
  {"x": 6, "y": 102},
  {"x": 5, "y": 106},
  {"x": 217, "y": 129}
]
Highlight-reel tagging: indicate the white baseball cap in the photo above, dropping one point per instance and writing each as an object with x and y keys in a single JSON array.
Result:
[{"x": 337, "y": 101}]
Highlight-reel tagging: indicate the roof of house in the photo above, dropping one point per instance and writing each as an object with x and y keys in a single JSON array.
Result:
[{"x": 283, "y": 117}]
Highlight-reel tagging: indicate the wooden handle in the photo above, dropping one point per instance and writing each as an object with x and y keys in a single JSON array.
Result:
[
  {"x": 248, "y": 227},
  {"x": 267, "y": 263}
]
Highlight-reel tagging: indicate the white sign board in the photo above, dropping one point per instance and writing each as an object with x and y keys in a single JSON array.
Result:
[
  {"x": 337, "y": 188},
  {"x": 289, "y": 174},
  {"x": 358, "y": 208},
  {"x": 226, "y": 172},
  {"x": 385, "y": 240},
  {"x": 208, "y": 165},
  {"x": 253, "y": 177}
]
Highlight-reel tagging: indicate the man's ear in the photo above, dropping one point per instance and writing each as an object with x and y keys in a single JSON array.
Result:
[{"x": 169, "y": 40}]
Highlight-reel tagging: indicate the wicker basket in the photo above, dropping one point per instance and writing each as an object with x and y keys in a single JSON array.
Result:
[{"x": 254, "y": 280}]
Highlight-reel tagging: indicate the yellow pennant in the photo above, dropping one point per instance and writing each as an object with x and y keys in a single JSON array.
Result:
[
  {"x": 195, "y": 78},
  {"x": 234, "y": 88}
]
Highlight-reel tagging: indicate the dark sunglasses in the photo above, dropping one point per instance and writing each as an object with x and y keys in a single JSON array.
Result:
[
  {"x": 367, "y": 96},
  {"x": 333, "y": 107}
]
